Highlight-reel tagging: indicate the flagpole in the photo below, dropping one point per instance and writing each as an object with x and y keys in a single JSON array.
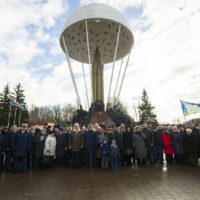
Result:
[
  {"x": 9, "y": 115},
  {"x": 19, "y": 117},
  {"x": 184, "y": 118},
  {"x": 15, "y": 115}
]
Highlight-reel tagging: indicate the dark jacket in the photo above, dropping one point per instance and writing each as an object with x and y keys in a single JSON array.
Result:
[
  {"x": 178, "y": 142},
  {"x": 191, "y": 143},
  {"x": 8, "y": 141},
  {"x": 90, "y": 141},
  {"x": 21, "y": 144},
  {"x": 119, "y": 139},
  {"x": 76, "y": 140},
  {"x": 2, "y": 143},
  {"x": 127, "y": 140},
  {"x": 157, "y": 138},
  {"x": 38, "y": 146},
  {"x": 139, "y": 144},
  {"x": 105, "y": 149},
  {"x": 61, "y": 144},
  {"x": 149, "y": 137}
]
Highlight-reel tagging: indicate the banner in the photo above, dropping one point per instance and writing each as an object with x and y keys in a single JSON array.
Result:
[{"x": 190, "y": 108}]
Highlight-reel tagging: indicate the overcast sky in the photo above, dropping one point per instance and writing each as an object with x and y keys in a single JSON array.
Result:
[{"x": 165, "y": 58}]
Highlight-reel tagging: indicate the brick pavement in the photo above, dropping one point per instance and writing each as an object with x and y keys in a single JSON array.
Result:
[{"x": 155, "y": 182}]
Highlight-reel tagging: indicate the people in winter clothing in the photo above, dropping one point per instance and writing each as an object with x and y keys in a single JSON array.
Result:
[
  {"x": 38, "y": 149},
  {"x": 128, "y": 146},
  {"x": 148, "y": 142},
  {"x": 21, "y": 145},
  {"x": 191, "y": 147},
  {"x": 105, "y": 153},
  {"x": 90, "y": 144},
  {"x": 114, "y": 154},
  {"x": 139, "y": 145},
  {"x": 76, "y": 145},
  {"x": 2, "y": 150},
  {"x": 158, "y": 145},
  {"x": 168, "y": 145},
  {"x": 50, "y": 148},
  {"x": 61, "y": 147},
  {"x": 178, "y": 137},
  {"x": 8, "y": 148}
]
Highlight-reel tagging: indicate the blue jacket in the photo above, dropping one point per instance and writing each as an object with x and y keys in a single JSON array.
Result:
[
  {"x": 105, "y": 150},
  {"x": 2, "y": 143},
  {"x": 178, "y": 142},
  {"x": 21, "y": 144},
  {"x": 90, "y": 141}
]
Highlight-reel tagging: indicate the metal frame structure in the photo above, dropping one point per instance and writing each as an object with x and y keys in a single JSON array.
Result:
[
  {"x": 122, "y": 81},
  {"x": 86, "y": 91},
  {"x": 114, "y": 58},
  {"x": 71, "y": 71},
  {"x": 89, "y": 59}
]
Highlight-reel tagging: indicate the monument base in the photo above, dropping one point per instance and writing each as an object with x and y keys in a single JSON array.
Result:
[{"x": 101, "y": 118}]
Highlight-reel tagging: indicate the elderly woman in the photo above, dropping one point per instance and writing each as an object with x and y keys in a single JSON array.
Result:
[
  {"x": 76, "y": 145},
  {"x": 139, "y": 145}
]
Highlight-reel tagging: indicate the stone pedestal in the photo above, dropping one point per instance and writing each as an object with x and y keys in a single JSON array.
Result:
[{"x": 101, "y": 118}]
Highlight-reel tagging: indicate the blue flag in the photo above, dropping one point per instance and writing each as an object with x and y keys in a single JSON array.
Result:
[{"x": 190, "y": 108}]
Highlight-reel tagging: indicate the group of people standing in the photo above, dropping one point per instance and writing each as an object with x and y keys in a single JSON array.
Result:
[{"x": 96, "y": 146}]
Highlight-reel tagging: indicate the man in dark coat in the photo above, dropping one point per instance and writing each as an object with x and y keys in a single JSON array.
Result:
[
  {"x": 67, "y": 156},
  {"x": 8, "y": 148},
  {"x": 128, "y": 145},
  {"x": 21, "y": 145},
  {"x": 178, "y": 138},
  {"x": 60, "y": 147},
  {"x": 38, "y": 148},
  {"x": 2, "y": 150},
  {"x": 149, "y": 142},
  {"x": 90, "y": 144},
  {"x": 158, "y": 145},
  {"x": 191, "y": 147}
]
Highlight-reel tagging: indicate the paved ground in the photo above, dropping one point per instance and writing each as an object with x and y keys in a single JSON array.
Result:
[{"x": 176, "y": 182}]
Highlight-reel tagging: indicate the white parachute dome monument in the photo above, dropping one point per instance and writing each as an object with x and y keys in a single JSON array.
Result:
[{"x": 101, "y": 30}]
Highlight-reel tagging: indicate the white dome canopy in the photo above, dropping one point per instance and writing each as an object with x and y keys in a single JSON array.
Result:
[{"x": 103, "y": 24}]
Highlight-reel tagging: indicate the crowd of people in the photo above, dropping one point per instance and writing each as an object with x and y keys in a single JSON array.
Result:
[{"x": 23, "y": 149}]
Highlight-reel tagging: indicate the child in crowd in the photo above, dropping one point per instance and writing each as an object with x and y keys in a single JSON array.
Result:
[
  {"x": 105, "y": 153},
  {"x": 114, "y": 153}
]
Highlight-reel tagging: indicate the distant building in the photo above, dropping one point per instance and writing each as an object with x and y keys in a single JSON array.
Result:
[{"x": 41, "y": 125}]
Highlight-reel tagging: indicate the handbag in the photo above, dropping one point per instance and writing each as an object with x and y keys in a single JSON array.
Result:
[{"x": 46, "y": 159}]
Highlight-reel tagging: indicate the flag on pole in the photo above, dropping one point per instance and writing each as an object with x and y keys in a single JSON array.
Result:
[
  {"x": 15, "y": 104},
  {"x": 190, "y": 108},
  {"x": 18, "y": 106}
]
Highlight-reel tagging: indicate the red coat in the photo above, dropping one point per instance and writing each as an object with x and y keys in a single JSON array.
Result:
[{"x": 167, "y": 143}]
